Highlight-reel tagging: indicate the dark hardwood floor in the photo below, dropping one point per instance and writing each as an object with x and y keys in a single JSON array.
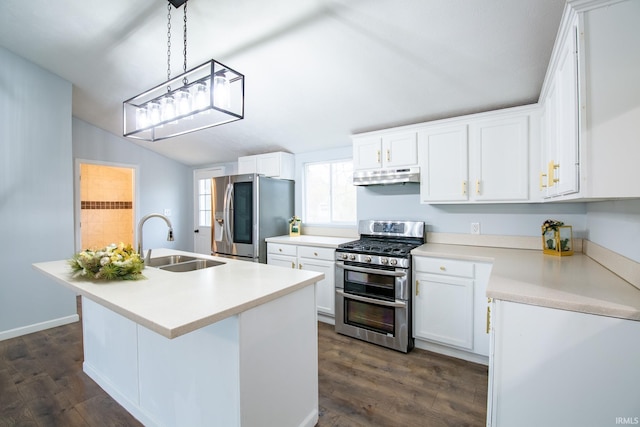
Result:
[{"x": 42, "y": 384}]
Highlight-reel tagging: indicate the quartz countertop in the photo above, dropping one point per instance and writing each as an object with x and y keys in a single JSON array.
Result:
[
  {"x": 574, "y": 283},
  {"x": 173, "y": 304},
  {"x": 308, "y": 240}
]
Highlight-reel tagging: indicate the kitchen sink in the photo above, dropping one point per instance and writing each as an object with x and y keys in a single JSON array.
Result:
[
  {"x": 193, "y": 264},
  {"x": 168, "y": 260}
]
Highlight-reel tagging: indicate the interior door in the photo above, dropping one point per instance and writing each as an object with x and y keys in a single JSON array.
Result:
[{"x": 202, "y": 208}]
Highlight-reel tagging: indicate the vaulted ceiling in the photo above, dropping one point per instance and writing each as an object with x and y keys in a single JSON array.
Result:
[{"x": 316, "y": 71}]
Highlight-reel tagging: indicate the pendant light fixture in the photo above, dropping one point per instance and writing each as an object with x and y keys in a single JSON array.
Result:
[{"x": 208, "y": 95}]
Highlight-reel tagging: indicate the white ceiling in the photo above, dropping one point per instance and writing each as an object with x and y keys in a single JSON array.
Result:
[{"x": 316, "y": 71}]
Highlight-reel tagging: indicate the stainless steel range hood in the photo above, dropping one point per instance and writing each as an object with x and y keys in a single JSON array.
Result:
[{"x": 386, "y": 176}]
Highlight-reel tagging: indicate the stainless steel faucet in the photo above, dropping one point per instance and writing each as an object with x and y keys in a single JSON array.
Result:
[{"x": 147, "y": 258}]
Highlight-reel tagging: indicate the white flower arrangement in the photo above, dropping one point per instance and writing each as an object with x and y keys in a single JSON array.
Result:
[{"x": 113, "y": 262}]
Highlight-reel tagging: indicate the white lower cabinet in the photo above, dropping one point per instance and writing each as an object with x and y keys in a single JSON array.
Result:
[
  {"x": 444, "y": 310},
  {"x": 312, "y": 258},
  {"x": 552, "y": 367},
  {"x": 450, "y": 306}
]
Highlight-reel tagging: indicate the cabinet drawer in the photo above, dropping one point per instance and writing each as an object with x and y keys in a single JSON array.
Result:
[
  {"x": 449, "y": 267},
  {"x": 316, "y": 253},
  {"x": 277, "y": 248}
]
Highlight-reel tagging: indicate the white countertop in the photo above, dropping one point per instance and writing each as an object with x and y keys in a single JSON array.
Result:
[
  {"x": 173, "y": 304},
  {"x": 307, "y": 240},
  {"x": 574, "y": 283}
]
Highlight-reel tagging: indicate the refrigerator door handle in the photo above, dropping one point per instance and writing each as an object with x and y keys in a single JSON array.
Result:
[{"x": 228, "y": 201}]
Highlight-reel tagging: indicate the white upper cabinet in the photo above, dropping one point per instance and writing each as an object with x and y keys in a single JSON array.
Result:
[
  {"x": 499, "y": 153},
  {"x": 482, "y": 158},
  {"x": 385, "y": 150},
  {"x": 276, "y": 165},
  {"x": 559, "y": 171},
  {"x": 591, "y": 100},
  {"x": 443, "y": 157}
]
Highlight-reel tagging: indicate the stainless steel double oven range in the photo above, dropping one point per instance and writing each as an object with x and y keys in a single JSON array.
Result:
[{"x": 373, "y": 283}]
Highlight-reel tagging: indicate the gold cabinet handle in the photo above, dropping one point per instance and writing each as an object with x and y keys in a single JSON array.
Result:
[
  {"x": 477, "y": 186},
  {"x": 293, "y": 264},
  {"x": 280, "y": 249},
  {"x": 442, "y": 268},
  {"x": 464, "y": 187},
  {"x": 299, "y": 266},
  {"x": 388, "y": 155},
  {"x": 417, "y": 287},
  {"x": 378, "y": 156},
  {"x": 542, "y": 174},
  {"x": 551, "y": 173},
  {"x": 315, "y": 254}
]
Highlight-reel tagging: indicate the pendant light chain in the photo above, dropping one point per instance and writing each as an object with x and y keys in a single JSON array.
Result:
[
  {"x": 168, "y": 44},
  {"x": 184, "y": 66}
]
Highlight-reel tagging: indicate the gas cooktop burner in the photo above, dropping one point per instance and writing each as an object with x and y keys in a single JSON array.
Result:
[{"x": 376, "y": 247}]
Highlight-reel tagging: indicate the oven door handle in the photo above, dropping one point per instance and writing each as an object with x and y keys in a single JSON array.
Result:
[
  {"x": 371, "y": 270},
  {"x": 397, "y": 304}
]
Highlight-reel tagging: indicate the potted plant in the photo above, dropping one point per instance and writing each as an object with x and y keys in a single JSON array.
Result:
[
  {"x": 557, "y": 238},
  {"x": 294, "y": 225}
]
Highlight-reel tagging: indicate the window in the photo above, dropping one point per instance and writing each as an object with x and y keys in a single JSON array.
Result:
[
  {"x": 330, "y": 196},
  {"x": 204, "y": 202}
]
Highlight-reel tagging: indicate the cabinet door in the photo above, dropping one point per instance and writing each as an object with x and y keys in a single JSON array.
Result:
[
  {"x": 399, "y": 150},
  {"x": 281, "y": 260},
  {"x": 444, "y": 310},
  {"x": 247, "y": 164},
  {"x": 566, "y": 150},
  {"x": 268, "y": 164},
  {"x": 325, "y": 289},
  {"x": 499, "y": 166},
  {"x": 367, "y": 152},
  {"x": 443, "y": 164}
]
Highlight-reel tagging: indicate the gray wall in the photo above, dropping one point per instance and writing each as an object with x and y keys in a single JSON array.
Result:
[
  {"x": 36, "y": 193},
  {"x": 163, "y": 183},
  {"x": 615, "y": 225}
]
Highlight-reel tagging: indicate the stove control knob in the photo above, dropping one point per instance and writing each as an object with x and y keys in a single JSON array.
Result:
[
  {"x": 345, "y": 256},
  {"x": 367, "y": 258},
  {"x": 393, "y": 261},
  {"x": 352, "y": 257},
  {"x": 384, "y": 261}
]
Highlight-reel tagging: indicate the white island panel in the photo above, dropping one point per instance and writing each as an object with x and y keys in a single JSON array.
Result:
[
  {"x": 279, "y": 362},
  {"x": 110, "y": 351},
  {"x": 191, "y": 380}
]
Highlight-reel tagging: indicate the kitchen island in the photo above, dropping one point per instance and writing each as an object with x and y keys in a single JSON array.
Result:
[{"x": 230, "y": 345}]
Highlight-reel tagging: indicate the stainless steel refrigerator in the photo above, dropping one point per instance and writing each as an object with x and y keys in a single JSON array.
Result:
[{"x": 247, "y": 209}]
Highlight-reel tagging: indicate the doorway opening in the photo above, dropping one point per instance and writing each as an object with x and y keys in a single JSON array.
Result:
[{"x": 106, "y": 205}]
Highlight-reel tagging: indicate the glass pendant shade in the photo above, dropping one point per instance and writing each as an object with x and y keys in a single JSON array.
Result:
[{"x": 208, "y": 95}]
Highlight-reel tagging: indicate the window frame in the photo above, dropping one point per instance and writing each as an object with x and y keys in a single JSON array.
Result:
[{"x": 305, "y": 181}]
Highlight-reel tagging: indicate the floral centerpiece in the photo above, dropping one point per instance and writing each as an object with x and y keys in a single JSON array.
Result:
[
  {"x": 557, "y": 238},
  {"x": 114, "y": 262}
]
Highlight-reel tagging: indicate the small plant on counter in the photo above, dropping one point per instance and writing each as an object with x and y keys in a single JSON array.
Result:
[
  {"x": 113, "y": 262},
  {"x": 294, "y": 225},
  {"x": 551, "y": 225},
  {"x": 557, "y": 238}
]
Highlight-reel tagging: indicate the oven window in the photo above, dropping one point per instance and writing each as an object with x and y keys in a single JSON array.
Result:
[
  {"x": 370, "y": 316},
  {"x": 370, "y": 285}
]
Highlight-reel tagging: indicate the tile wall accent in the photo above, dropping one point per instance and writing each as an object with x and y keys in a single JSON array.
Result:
[{"x": 105, "y": 205}]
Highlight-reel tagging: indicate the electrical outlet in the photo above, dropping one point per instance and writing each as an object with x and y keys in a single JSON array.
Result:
[{"x": 475, "y": 228}]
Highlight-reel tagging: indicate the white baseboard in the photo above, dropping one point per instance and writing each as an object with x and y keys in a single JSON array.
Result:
[
  {"x": 37, "y": 327},
  {"x": 452, "y": 352}
]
